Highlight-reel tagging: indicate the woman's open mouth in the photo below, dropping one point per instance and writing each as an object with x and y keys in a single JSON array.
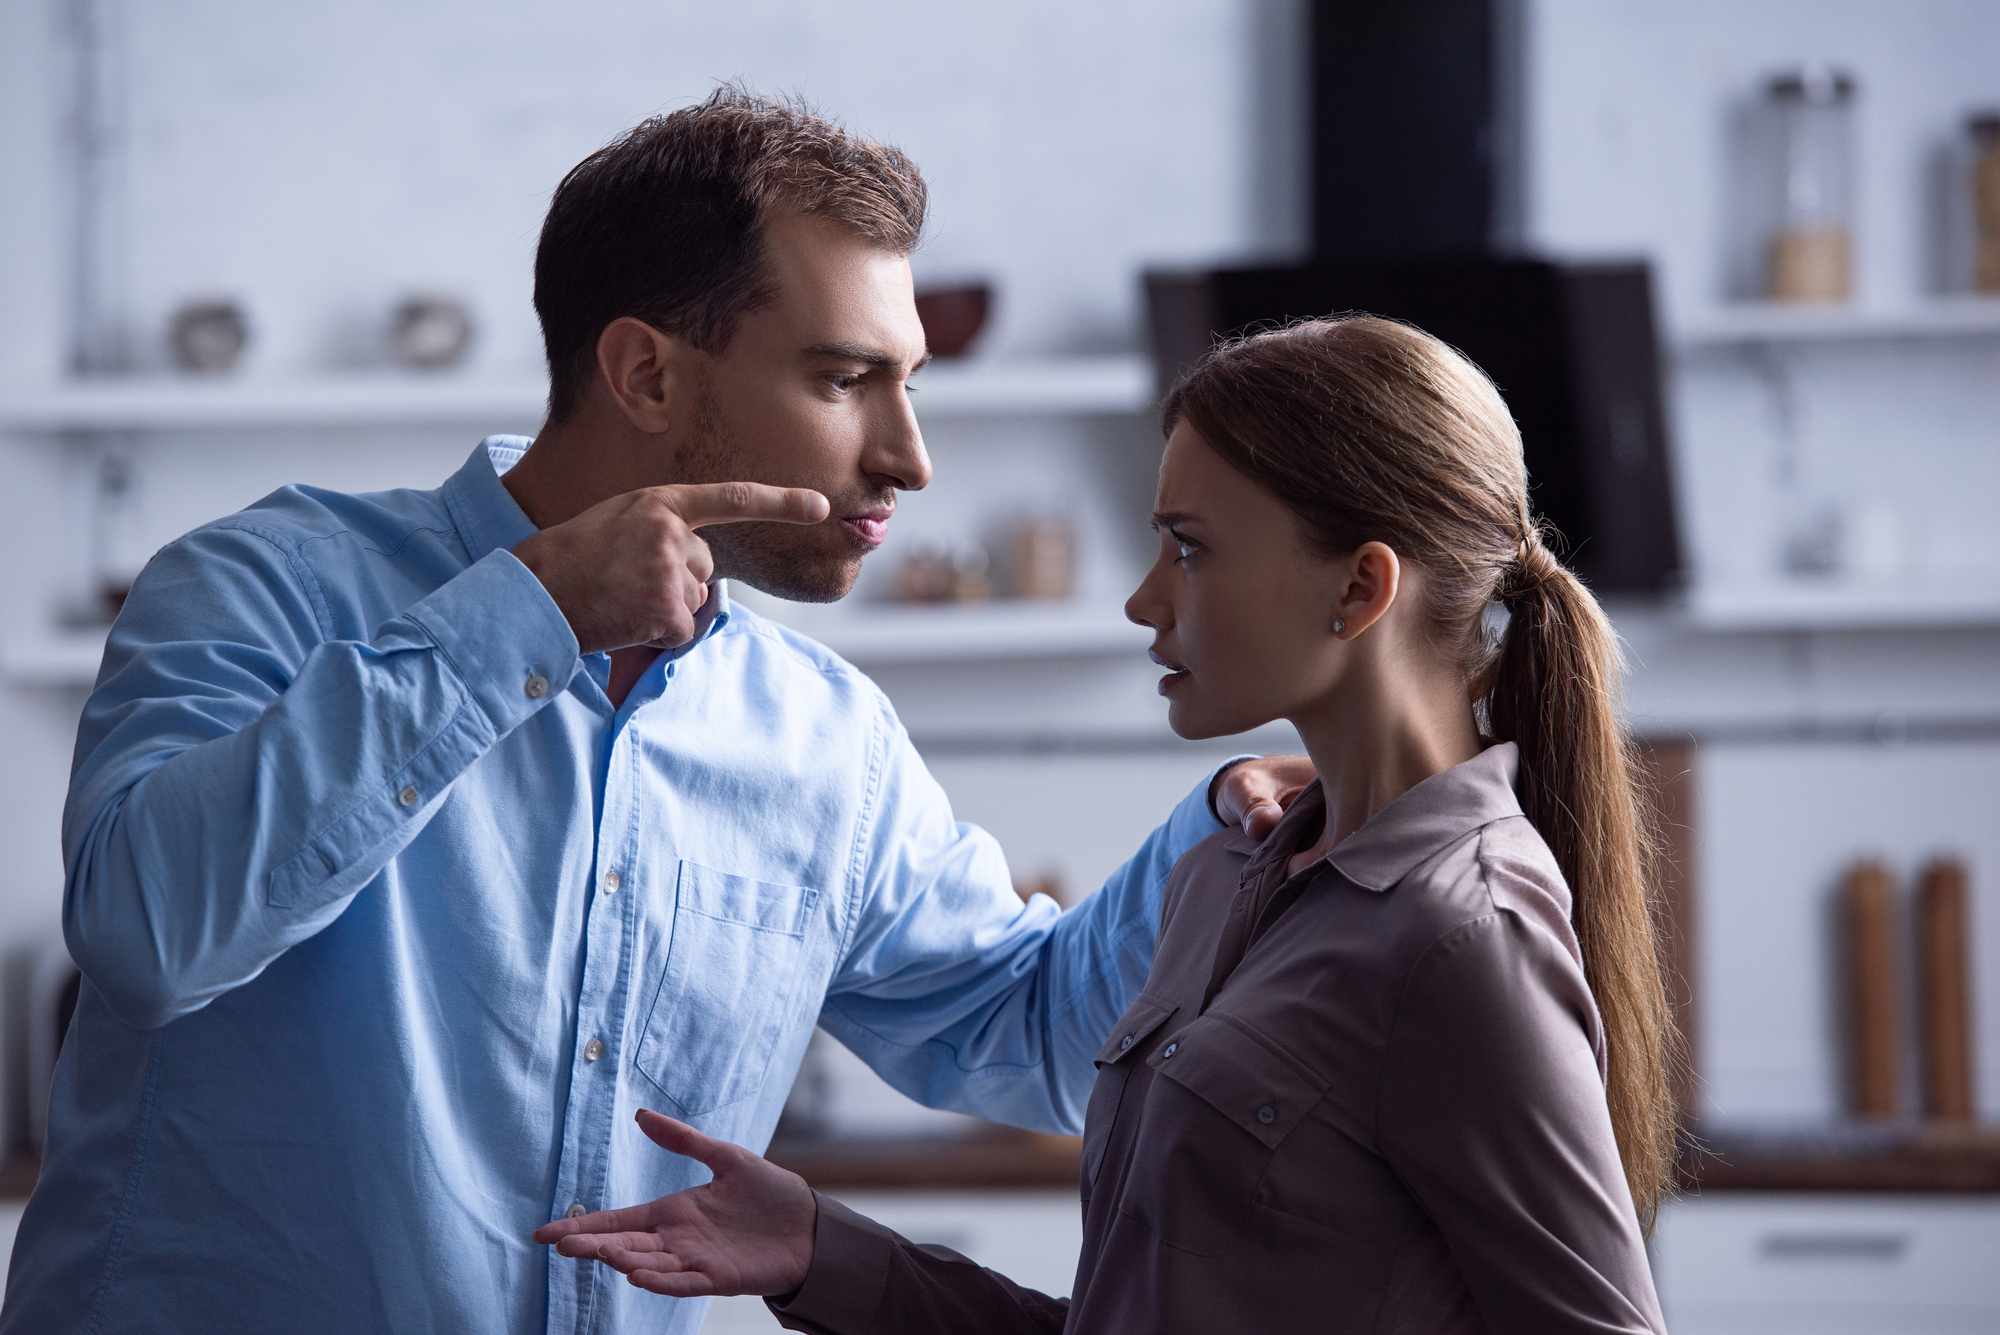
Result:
[{"x": 1175, "y": 672}]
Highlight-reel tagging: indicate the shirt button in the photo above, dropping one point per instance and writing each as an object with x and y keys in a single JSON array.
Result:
[
  {"x": 1125, "y": 1043},
  {"x": 538, "y": 686},
  {"x": 408, "y": 797},
  {"x": 611, "y": 883},
  {"x": 575, "y": 1211},
  {"x": 592, "y": 1050},
  {"x": 1267, "y": 1114},
  {"x": 1172, "y": 1048}
]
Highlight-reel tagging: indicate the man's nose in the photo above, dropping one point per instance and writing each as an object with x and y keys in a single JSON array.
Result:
[{"x": 897, "y": 453}]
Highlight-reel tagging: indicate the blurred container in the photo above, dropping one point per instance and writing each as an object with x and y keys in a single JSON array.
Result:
[
  {"x": 1985, "y": 130},
  {"x": 208, "y": 336},
  {"x": 1045, "y": 558},
  {"x": 431, "y": 332},
  {"x": 1811, "y": 256},
  {"x": 936, "y": 573},
  {"x": 953, "y": 316}
]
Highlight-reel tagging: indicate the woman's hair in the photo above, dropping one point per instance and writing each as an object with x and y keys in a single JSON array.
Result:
[{"x": 1371, "y": 430}]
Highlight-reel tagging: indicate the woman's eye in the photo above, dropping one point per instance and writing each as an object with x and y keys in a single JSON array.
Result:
[{"x": 1183, "y": 549}]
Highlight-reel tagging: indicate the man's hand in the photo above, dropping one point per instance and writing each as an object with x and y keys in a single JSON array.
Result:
[
  {"x": 631, "y": 570},
  {"x": 748, "y": 1231},
  {"x": 1255, "y": 793}
]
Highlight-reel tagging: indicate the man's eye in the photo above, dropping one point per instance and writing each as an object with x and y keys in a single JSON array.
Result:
[{"x": 843, "y": 382}]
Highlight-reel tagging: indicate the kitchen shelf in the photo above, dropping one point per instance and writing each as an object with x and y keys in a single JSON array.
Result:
[
  {"x": 1074, "y": 385},
  {"x": 1752, "y": 323},
  {"x": 868, "y": 635},
  {"x": 53, "y": 658},
  {"x": 940, "y": 633},
  {"x": 1838, "y": 605}
]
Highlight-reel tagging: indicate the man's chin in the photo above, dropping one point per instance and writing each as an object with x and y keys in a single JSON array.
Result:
[{"x": 803, "y": 583}]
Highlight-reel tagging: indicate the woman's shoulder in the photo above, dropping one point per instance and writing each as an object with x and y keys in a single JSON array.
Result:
[
  {"x": 1204, "y": 882},
  {"x": 1503, "y": 867}
]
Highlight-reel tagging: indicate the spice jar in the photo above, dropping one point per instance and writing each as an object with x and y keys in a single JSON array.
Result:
[
  {"x": 1811, "y": 255},
  {"x": 1985, "y": 130}
]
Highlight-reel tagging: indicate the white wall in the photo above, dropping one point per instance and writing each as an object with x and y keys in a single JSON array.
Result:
[{"x": 318, "y": 162}]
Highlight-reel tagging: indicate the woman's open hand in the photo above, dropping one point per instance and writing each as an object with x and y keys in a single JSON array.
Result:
[{"x": 748, "y": 1231}]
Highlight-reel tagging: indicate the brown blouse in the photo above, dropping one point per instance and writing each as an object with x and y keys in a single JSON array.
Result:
[{"x": 1366, "y": 1098}]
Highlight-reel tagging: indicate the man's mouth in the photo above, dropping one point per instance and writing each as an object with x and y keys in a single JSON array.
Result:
[
  {"x": 1175, "y": 672},
  {"x": 869, "y": 526}
]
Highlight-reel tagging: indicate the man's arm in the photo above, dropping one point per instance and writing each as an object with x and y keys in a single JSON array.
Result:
[
  {"x": 240, "y": 774},
  {"x": 962, "y": 996}
]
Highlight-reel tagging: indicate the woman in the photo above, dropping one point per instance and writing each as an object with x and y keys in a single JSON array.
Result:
[{"x": 1401, "y": 1065}]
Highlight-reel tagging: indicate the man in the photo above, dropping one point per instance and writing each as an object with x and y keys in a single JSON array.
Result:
[{"x": 416, "y": 839}]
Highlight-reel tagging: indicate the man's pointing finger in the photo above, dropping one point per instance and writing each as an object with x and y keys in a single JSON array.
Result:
[{"x": 732, "y": 502}]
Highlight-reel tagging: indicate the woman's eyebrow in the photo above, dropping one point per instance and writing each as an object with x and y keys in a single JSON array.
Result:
[{"x": 1169, "y": 519}]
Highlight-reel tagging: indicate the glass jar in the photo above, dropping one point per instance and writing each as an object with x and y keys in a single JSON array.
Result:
[
  {"x": 1811, "y": 256},
  {"x": 1985, "y": 129}
]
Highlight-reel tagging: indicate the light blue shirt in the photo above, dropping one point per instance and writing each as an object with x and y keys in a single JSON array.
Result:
[{"x": 389, "y": 920}]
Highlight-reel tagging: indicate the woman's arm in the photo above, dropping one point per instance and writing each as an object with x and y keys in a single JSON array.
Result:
[
  {"x": 757, "y": 1228},
  {"x": 1492, "y": 1111}
]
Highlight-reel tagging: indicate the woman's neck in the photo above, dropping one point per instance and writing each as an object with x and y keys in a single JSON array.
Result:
[{"x": 1375, "y": 738}]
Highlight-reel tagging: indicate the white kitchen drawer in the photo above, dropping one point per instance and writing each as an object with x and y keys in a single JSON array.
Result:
[
  {"x": 1808, "y": 1264},
  {"x": 1032, "y": 1237}
]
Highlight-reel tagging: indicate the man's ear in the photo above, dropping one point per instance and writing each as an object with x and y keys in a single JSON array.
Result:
[
  {"x": 651, "y": 376},
  {"x": 1371, "y": 577}
]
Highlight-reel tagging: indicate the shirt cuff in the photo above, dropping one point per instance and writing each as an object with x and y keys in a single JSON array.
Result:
[
  {"x": 849, "y": 1271},
  {"x": 503, "y": 635}
]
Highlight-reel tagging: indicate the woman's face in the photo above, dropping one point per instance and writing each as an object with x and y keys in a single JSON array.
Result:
[{"x": 1242, "y": 610}]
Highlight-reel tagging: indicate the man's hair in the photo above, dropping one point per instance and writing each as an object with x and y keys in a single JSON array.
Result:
[{"x": 666, "y": 222}]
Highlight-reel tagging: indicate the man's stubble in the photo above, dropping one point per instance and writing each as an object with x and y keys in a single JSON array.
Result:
[{"x": 787, "y": 561}]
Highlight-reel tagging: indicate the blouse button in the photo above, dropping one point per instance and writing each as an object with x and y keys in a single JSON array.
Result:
[
  {"x": 1171, "y": 1049},
  {"x": 1267, "y": 1114},
  {"x": 537, "y": 687},
  {"x": 1125, "y": 1043}
]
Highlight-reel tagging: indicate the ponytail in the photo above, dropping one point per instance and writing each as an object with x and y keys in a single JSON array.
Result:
[
  {"x": 1552, "y": 689},
  {"x": 1371, "y": 430}
]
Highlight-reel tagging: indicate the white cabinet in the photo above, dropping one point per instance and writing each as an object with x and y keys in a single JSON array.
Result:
[
  {"x": 1032, "y": 1237},
  {"x": 1781, "y": 1264}
]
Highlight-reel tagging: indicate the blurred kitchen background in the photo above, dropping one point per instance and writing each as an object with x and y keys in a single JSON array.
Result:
[{"x": 1730, "y": 261}]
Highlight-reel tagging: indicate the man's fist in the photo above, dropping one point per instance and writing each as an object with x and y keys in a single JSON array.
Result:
[{"x": 632, "y": 570}]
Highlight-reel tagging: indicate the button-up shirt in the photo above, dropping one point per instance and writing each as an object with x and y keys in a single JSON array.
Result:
[
  {"x": 389, "y": 920},
  {"x": 1366, "y": 1098}
]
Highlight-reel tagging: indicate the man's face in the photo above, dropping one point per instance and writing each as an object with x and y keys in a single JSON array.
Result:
[{"x": 811, "y": 393}]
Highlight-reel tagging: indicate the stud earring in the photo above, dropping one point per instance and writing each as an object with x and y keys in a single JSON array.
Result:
[{"x": 1339, "y": 626}]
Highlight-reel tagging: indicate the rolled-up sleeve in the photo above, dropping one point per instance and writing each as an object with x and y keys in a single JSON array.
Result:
[
  {"x": 239, "y": 775},
  {"x": 1491, "y": 1109},
  {"x": 964, "y": 997}
]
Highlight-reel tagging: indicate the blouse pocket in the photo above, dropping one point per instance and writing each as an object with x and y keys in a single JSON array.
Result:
[
  {"x": 725, "y": 996},
  {"x": 1134, "y": 1027},
  {"x": 1222, "y": 1099}
]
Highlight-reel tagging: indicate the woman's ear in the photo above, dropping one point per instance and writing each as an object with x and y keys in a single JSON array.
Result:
[
  {"x": 1369, "y": 579},
  {"x": 650, "y": 375}
]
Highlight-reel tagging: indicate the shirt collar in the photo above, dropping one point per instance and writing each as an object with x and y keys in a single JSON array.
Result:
[
  {"x": 1430, "y": 817},
  {"x": 484, "y": 511},
  {"x": 488, "y": 518}
]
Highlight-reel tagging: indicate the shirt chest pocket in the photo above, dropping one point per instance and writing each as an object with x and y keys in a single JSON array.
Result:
[
  {"x": 725, "y": 999},
  {"x": 1114, "y": 1072},
  {"x": 1222, "y": 1099}
]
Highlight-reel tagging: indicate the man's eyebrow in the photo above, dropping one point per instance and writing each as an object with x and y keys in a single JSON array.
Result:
[{"x": 861, "y": 352}]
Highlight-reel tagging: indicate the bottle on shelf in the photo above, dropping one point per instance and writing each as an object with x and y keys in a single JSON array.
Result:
[{"x": 1811, "y": 253}]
